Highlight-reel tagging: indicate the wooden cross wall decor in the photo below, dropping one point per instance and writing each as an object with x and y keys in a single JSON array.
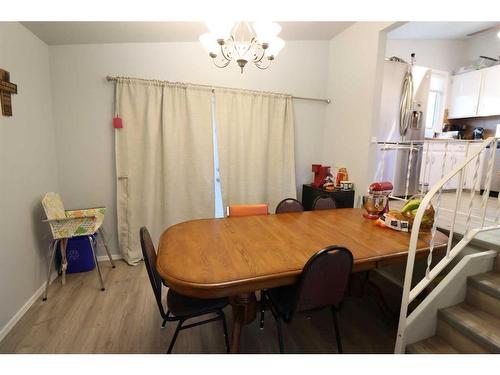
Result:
[{"x": 6, "y": 90}]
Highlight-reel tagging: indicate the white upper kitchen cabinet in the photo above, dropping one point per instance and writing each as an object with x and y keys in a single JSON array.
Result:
[
  {"x": 464, "y": 94},
  {"x": 489, "y": 100}
]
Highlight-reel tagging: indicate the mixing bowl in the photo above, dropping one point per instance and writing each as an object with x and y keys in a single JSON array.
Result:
[{"x": 374, "y": 205}]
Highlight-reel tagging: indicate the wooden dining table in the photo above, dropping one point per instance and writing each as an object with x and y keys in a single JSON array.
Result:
[{"x": 236, "y": 256}]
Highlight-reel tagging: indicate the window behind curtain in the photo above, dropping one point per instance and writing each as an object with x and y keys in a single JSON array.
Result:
[{"x": 255, "y": 137}]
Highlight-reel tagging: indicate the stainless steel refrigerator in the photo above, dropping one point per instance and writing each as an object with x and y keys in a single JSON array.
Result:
[{"x": 405, "y": 91}]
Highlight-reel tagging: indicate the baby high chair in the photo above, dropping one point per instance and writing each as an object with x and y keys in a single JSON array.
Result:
[{"x": 67, "y": 224}]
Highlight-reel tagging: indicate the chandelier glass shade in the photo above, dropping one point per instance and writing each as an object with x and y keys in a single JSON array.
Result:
[{"x": 227, "y": 41}]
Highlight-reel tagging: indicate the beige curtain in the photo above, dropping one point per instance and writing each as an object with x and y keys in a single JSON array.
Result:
[
  {"x": 164, "y": 159},
  {"x": 255, "y": 133}
]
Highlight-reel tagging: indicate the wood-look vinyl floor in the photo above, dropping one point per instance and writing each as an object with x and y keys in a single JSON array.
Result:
[{"x": 79, "y": 318}]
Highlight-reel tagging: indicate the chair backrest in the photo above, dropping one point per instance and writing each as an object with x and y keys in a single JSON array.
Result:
[
  {"x": 53, "y": 206},
  {"x": 324, "y": 279},
  {"x": 289, "y": 205},
  {"x": 247, "y": 210},
  {"x": 149, "y": 253},
  {"x": 324, "y": 202}
]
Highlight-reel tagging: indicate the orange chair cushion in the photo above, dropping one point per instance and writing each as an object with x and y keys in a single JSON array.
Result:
[{"x": 248, "y": 210}]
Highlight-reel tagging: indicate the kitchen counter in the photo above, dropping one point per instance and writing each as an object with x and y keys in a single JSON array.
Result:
[
  {"x": 455, "y": 140},
  {"x": 475, "y": 141}
]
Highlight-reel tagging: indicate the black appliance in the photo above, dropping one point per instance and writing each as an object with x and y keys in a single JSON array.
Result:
[{"x": 478, "y": 133}]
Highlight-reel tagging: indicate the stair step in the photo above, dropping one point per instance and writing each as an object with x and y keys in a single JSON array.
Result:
[
  {"x": 496, "y": 265},
  {"x": 463, "y": 343},
  {"x": 483, "y": 245},
  {"x": 487, "y": 282},
  {"x": 432, "y": 345},
  {"x": 483, "y": 292},
  {"x": 484, "y": 301},
  {"x": 475, "y": 324}
]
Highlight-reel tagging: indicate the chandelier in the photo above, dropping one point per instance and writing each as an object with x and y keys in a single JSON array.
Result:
[{"x": 242, "y": 42}]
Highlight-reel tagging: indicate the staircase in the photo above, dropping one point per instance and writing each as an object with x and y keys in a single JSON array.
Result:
[{"x": 472, "y": 326}]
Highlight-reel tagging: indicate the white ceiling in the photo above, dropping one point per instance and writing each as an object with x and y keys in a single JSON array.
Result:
[
  {"x": 438, "y": 30},
  {"x": 58, "y": 33}
]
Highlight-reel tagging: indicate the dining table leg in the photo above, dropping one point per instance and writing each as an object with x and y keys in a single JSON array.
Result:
[{"x": 244, "y": 312}]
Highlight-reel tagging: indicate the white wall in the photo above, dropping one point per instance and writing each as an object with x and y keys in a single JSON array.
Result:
[
  {"x": 83, "y": 105},
  {"x": 486, "y": 44},
  {"x": 446, "y": 55},
  {"x": 354, "y": 85},
  {"x": 27, "y": 169}
]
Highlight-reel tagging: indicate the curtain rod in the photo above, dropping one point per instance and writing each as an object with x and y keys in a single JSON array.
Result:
[{"x": 115, "y": 78}]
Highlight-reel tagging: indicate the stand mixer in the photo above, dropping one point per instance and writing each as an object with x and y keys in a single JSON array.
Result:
[{"x": 376, "y": 202}]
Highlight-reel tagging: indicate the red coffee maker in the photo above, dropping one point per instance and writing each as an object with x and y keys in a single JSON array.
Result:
[{"x": 320, "y": 174}]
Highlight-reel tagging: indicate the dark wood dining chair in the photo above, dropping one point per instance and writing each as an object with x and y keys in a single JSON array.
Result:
[
  {"x": 324, "y": 202},
  {"x": 179, "y": 307},
  {"x": 322, "y": 284},
  {"x": 289, "y": 205}
]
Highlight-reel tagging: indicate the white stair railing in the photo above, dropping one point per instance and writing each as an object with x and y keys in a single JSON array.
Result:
[{"x": 471, "y": 229}]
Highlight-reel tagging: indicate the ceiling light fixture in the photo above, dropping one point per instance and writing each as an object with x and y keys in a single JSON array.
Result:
[{"x": 242, "y": 42}]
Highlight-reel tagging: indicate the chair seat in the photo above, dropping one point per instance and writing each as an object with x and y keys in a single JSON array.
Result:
[
  {"x": 282, "y": 299},
  {"x": 180, "y": 305}
]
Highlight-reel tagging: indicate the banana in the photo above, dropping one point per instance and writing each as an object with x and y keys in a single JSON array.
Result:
[
  {"x": 411, "y": 205},
  {"x": 427, "y": 220}
]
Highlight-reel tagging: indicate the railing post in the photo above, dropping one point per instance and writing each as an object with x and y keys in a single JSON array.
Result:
[
  {"x": 426, "y": 162},
  {"x": 408, "y": 173},
  {"x": 486, "y": 193},
  {"x": 472, "y": 195},
  {"x": 383, "y": 151},
  {"x": 436, "y": 215},
  {"x": 401, "y": 339},
  {"x": 396, "y": 147},
  {"x": 457, "y": 203}
]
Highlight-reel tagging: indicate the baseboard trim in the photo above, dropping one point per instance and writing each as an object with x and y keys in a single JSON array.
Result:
[{"x": 20, "y": 313}]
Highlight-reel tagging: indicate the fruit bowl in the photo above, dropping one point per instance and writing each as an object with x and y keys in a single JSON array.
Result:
[
  {"x": 410, "y": 210},
  {"x": 374, "y": 205}
]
